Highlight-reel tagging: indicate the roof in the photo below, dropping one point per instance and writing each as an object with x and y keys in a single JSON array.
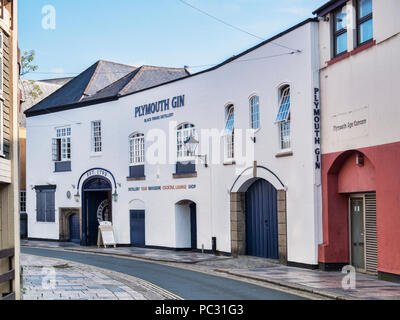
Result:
[
  {"x": 27, "y": 100},
  {"x": 58, "y": 81},
  {"x": 139, "y": 79},
  {"x": 329, "y": 7},
  {"x": 93, "y": 79},
  {"x": 125, "y": 82}
]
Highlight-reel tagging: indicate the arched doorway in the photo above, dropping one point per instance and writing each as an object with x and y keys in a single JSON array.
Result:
[
  {"x": 96, "y": 207},
  {"x": 258, "y": 214},
  {"x": 186, "y": 224},
  {"x": 262, "y": 220},
  {"x": 349, "y": 213}
]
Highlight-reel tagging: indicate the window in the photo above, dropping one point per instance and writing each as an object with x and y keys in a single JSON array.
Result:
[
  {"x": 96, "y": 136},
  {"x": 183, "y": 133},
  {"x": 340, "y": 31},
  {"x": 45, "y": 205},
  {"x": 255, "y": 113},
  {"x": 283, "y": 118},
  {"x": 136, "y": 142},
  {"x": 62, "y": 144},
  {"x": 364, "y": 21},
  {"x": 229, "y": 133},
  {"x": 22, "y": 201}
]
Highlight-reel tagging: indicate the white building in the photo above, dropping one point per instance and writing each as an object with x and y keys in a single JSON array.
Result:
[{"x": 107, "y": 148}]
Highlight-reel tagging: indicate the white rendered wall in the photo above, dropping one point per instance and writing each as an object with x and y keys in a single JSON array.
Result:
[{"x": 205, "y": 97}]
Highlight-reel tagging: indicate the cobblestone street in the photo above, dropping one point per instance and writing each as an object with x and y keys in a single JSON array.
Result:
[{"x": 55, "y": 279}]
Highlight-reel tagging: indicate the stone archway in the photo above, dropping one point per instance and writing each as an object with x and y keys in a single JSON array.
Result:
[
  {"x": 65, "y": 214},
  {"x": 238, "y": 224},
  {"x": 238, "y": 209}
]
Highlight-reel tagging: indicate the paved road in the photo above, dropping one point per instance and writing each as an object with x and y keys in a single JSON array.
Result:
[{"x": 189, "y": 285}]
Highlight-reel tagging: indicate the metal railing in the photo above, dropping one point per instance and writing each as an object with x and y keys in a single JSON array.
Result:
[{"x": 8, "y": 276}]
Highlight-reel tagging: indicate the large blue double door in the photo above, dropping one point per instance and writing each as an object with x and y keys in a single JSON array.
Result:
[{"x": 262, "y": 220}]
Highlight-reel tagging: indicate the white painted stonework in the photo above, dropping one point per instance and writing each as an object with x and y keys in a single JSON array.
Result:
[{"x": 261, "y": 71}]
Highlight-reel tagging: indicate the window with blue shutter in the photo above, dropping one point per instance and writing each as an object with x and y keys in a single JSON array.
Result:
[{"x": 45, "y": 204}]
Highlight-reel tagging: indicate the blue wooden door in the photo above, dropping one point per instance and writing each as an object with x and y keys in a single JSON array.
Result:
[
  {"x": 262, "y": 220},
  {"x": 74, "y": 228},
  {"x": 138, "y": 235},
  {"x": 193, "y": 225}
]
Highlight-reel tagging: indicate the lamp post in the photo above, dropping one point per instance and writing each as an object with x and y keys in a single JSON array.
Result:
[{"x": 191, "y": 144}]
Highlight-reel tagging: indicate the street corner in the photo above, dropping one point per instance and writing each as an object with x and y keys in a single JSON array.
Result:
[{"x": 56, "y": 279}]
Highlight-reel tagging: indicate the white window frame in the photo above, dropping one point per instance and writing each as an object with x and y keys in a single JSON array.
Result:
[
  {"x": 254, "y": 109},
  {"x": 22, "y": 201},
  {"x": 96, "y": 137},
  {"x": 64, "y": 135},
  {"x": 183, "y": 132},
  {"x": 136, "y": 149},
  {"x": 229, "y": 134},
  {"x": 284, "y": 124}
]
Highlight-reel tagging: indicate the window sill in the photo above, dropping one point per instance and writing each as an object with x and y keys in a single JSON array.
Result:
[
  {"x": 360, "y": 48},
  {"x": 96, "y": 155},
  {"x": 339, "y": 58},
  {"x": 284, "y": 153},
  {"x": 229, "y": 163},
  {"x": 135, "y": 178},
  {"x": 364, "y": 46},
  {"x": 184, "y": 175}
]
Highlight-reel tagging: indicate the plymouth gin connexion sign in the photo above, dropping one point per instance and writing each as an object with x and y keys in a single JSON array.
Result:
[{"x": 162, "y": 106}]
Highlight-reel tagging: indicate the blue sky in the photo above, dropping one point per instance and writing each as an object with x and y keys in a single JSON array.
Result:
[{"x": 154, "y": 32}]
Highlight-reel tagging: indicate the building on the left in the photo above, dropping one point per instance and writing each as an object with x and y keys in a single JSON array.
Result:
[{"x": 9, "y": 101}]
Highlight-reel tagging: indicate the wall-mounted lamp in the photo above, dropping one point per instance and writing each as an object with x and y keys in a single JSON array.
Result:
[
  {"x": 77, "y": 197},
  {"x": 191, "y": 144},
  {"x": 115, "y": 196}
]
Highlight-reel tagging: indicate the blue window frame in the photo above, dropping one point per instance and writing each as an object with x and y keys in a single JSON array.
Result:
[{"x": 364, "y": 22}]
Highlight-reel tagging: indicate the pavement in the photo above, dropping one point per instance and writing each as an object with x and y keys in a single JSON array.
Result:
[
  {"x": 57, "y": 279},
  {"x": 141, "y": 253},
  {"x": 321, "y": 283}
]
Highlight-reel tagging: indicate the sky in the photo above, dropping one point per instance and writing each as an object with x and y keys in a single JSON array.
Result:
[{"x": 152, "y": 32}]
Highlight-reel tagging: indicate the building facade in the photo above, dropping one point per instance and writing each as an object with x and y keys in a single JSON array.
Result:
[
  {"x": 359, "y": 46},
  {"x": 32, "y": 92},
  {"x": 224, "y": 160},
  {"x": 9, "y": 222}
]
